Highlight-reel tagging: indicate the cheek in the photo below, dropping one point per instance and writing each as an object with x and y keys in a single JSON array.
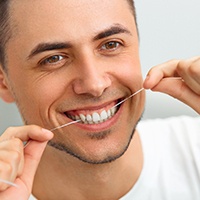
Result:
[
  {"x": 36, "y": 98},
  {"x": 33, "y": 94},
  {"x": 128, "y": 71}
]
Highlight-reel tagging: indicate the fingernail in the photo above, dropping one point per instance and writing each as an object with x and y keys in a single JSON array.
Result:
[
  {"x": 147, "y": 78},
  {"x": 47, "y": 132}
]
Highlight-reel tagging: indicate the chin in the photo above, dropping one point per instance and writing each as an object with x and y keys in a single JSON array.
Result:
[{"x": 98, "y": 152}]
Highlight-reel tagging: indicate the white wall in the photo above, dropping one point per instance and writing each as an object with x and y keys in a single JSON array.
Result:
[
  {"x": 9, "y": 116},
  {"x": 168, "y": 29}
]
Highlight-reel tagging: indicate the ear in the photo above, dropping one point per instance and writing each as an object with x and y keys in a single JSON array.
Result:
[{"x": 5, "y": 93}]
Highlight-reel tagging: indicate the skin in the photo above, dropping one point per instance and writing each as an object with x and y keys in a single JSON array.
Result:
[
  {"x": 90, "y": 77},
  {"x": 187, "y": 89},
  {"x": 91, "y": 73}
]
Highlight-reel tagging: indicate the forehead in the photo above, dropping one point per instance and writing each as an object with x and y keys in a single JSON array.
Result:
[
  {"x": 42, "y": 14},
  {"x": 64, "y": 20}
]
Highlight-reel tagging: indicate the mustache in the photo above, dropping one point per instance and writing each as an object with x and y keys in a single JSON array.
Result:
[{"x": 88, "y": 99}]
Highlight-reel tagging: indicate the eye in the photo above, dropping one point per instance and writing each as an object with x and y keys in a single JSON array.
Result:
[
  {"x": 112, "y": 45},
  {"x": 52, "y": 60}
]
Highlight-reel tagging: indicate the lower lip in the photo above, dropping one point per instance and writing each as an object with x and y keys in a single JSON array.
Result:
[{"x": 101, "y": 126}]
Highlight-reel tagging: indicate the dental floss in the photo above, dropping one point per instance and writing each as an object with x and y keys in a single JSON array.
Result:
[
  {"x": 64, "y": 125},
  {"x": 74, "y": 122},
  {"x": 140, "y": 90},
  {"x": 9, "y": 183}
]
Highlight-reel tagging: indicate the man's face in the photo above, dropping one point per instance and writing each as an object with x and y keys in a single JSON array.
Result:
[{"x": 71, "y": 59}]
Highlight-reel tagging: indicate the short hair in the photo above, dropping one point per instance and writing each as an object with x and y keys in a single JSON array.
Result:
[
  {"x": 5, "y": 29},
  {"x": 132, "y": 7}
]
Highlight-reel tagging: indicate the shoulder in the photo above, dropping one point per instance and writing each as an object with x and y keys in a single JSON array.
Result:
[
  {"x": 170, "y": 125},
  {"x": 178, "y": 133}
]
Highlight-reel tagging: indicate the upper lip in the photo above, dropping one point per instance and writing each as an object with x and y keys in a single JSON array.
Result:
[{"x": 93, "y": 108}]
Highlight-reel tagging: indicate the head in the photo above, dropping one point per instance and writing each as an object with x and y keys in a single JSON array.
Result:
[{"x": 73, "y": 59}]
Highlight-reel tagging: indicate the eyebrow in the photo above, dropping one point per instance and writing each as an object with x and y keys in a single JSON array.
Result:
[
  {"x": 48, "y": 47},
  {"x": 113, "y": 30},
  {"x": 42, "y": 47}
]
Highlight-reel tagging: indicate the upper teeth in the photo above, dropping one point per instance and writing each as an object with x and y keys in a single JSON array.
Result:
[{"x": 95, "y": 117}]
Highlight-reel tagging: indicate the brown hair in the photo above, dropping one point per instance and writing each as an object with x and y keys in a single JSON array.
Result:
[{"x": 5, "y": 32}]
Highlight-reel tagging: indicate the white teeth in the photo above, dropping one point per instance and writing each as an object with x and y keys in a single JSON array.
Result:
[
  {"x": 113, "y": 110},
  {"x": 95, "y": 117},
  {"x": 83, "y": 118},
  {"x": 109, "y": 114},
  {"x": 89, "y": 119},
  {"x": 103, "y": 115}
]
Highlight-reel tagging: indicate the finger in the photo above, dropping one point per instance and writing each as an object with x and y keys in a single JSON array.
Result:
[
  {"x": 27, "y": 132},
  {"x": 179, "y": 90},
  {"x": 157, "y": 73},
  {"x": 32, "y": 155},
  {"x": 12, "y": 159},
  {"x": 11, "y": 144},
  {"x": 15, "y": 162},
  {"x": 189, "y": 70},
  {"x": 6, "y": 174},
  {"x": 5, "y": 171},
  {"x": 12, "y": 152},
  {"x": 172, "y": 68}
]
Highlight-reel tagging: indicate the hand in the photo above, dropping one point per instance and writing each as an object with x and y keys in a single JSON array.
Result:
[
  {"x": 187, "y": 89},
  {"x": 19, "y": 164}
]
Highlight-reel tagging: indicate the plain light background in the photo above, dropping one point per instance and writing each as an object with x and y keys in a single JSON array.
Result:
[{"x": 168, "y": 29}]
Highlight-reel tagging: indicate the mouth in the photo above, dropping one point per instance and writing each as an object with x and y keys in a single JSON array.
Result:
[{"x": 95, "y": 116}]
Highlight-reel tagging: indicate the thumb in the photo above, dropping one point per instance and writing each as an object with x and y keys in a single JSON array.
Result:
[
  {"x": 179, "y": 90},
  {"x": 32, "y": 155}
]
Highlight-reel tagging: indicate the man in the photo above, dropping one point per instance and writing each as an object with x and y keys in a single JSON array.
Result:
[{"x": 65, "y": 60}]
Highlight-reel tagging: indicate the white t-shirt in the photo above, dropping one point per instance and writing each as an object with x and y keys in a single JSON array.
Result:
[{"x": 171, "y": 170}]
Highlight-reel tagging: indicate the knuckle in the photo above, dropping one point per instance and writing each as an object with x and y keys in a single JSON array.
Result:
[
  {"x": 17, "y": 142},
  {"x": 35, "y": 129},
  {"x": 15, "y": 156},
  {"x": 172, "y": 62},
  {"x": 6, "y": 169},
  {"x": 182, "y": 67},
  {"x": 9, "y": 132},
  {"x": 193, "y": 70},
  {"x": 10, "y": 129}
]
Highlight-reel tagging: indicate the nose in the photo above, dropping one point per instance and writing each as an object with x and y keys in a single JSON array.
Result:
[{"x": 92, "y": 80}]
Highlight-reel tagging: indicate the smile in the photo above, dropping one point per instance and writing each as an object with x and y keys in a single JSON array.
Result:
[{"x": 94, "y": 117}]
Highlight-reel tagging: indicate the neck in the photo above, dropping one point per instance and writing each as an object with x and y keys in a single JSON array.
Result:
[{"x": 70, "y": 178}]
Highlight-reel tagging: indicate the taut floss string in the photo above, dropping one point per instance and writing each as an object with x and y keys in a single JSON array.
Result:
[
  {"x": 74, "y": 122},
  {"x": 70, "y": 123}
]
